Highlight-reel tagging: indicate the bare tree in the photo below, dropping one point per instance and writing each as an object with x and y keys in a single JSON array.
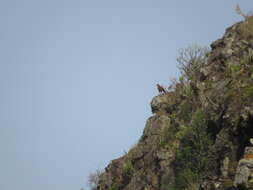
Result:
[
  {"x": 93, "y": 178},
  {"x": 239, "y": 11},
  {"x": 191, "y": 60}
]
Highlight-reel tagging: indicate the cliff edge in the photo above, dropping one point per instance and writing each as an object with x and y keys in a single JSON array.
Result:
[{"x": 199, "y": 134}]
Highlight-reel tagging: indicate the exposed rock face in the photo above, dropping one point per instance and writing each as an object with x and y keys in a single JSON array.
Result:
[
  {"x": 164, "y": 103},
  {"x": 244, "y": 171},
  {"x": 146, "y": 164},
  {"x": 199, "y": 131}
]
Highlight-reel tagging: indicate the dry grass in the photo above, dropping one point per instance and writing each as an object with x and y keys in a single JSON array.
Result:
[
  {"x": 246, "y": 28},
  {"x": 192, "y": 186}
]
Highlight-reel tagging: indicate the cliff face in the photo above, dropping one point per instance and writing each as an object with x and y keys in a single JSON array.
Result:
[{"x": 199, "y": 134}]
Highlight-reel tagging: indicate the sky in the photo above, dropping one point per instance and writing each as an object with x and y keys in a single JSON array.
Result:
[{"x": 77, "y": 78}]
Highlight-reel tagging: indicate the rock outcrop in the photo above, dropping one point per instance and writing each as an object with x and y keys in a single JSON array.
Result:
[
  {"x": 147, "y": 163},
  {"x": 244, "y": 171},
  {"x": 198, "y": 137}
]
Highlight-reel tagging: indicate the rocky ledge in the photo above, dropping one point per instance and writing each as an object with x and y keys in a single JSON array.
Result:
[{"x": 199, "y": 134}]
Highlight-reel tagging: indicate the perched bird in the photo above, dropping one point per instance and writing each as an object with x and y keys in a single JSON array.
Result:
[{"x": 160, "y": 89}]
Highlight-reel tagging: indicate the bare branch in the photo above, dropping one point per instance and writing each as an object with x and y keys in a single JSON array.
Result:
[
  {"x": 239, "y": 11},
  {"x": 191, "y": 59},
  {"x": 93, "y": 178}
]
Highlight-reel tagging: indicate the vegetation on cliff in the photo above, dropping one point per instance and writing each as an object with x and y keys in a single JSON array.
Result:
[{"x": 200, "y": 126}]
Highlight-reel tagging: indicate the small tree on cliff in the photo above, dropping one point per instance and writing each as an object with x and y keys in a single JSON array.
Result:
[
  {"x": 93, "y": 179},
  {"x": 191, "y": 60}
]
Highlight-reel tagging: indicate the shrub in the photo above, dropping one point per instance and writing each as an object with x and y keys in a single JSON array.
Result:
[
  {"x": 193, "y": 186},
  {"x": 185, "y": 111},
  {"x": 168, "y": 187},
  {"x": 239, "y": 12},
  {"x": 168, "y": 136},
  {"x": 93, "y": 178},
  {"x": 114, "y": 187},
  {"x": 185, "y": 178},
  {"x": 246, "y": 28},
  {"x": 128, "y": 168},
  {"x": 116, "y": 183},
  {"x": 191, "y": 158},
  {"x": 248, "y": 91},
  {"x": 191, "y": 60}
]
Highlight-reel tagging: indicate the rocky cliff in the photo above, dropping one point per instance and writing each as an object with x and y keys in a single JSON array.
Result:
[{"x": 200, "y": 131}]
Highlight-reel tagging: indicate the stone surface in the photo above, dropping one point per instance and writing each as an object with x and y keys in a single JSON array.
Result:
[
  {"x": 225, "y": 167},
  {"x": 163, "y": 103},
  {"x": 224, "y": 92},
  {"x": 244, "y": 169}
]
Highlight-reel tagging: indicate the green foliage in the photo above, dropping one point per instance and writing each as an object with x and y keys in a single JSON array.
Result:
[
  {"x": 173, "y": 116},
  {"x": 188, "y": 91},
  {"x": 167, "y": 136},
  {"x": 228, "y": 183},
  {"x": 185, "y": 178},
  {"x": 128, "y": 168},
  {"x": 115, "y": 184},
  {"x": 248, "y": 91},
  {"x": 182, "y": 131},
  {"x": 185, "y": 110},
  {"x": 234, "y": 68},
  {"x": 162, "y": 141},
  {"x": 181, "y": 78},
  {"x": 168, "y": 187},
  {"x": 191, "y": 158},
  {"x": 114, "y": 187}
]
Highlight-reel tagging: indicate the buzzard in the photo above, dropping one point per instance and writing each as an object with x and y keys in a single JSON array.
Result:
[{"x": 160, "y": 89}]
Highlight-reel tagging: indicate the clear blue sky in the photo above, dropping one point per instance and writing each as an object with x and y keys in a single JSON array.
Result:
[{"x": 77, "y": 77}]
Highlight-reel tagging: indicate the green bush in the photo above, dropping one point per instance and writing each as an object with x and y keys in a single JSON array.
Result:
[
  {"x": 168, "y": 187},
  {"x": 185, "y": 111},
  {"x": 128, "y": 168},
  {"x": 191, "y": 157},
  {"x": 168, "y": 135},
  {"x": 185, "y": 178},
  {"x": 248, "y": 91},
  {"x": 114, "y": 187},
  {"x": 116, "y": 183}
]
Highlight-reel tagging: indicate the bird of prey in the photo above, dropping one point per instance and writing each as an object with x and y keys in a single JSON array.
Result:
[{"x": 160, "y": 89}]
